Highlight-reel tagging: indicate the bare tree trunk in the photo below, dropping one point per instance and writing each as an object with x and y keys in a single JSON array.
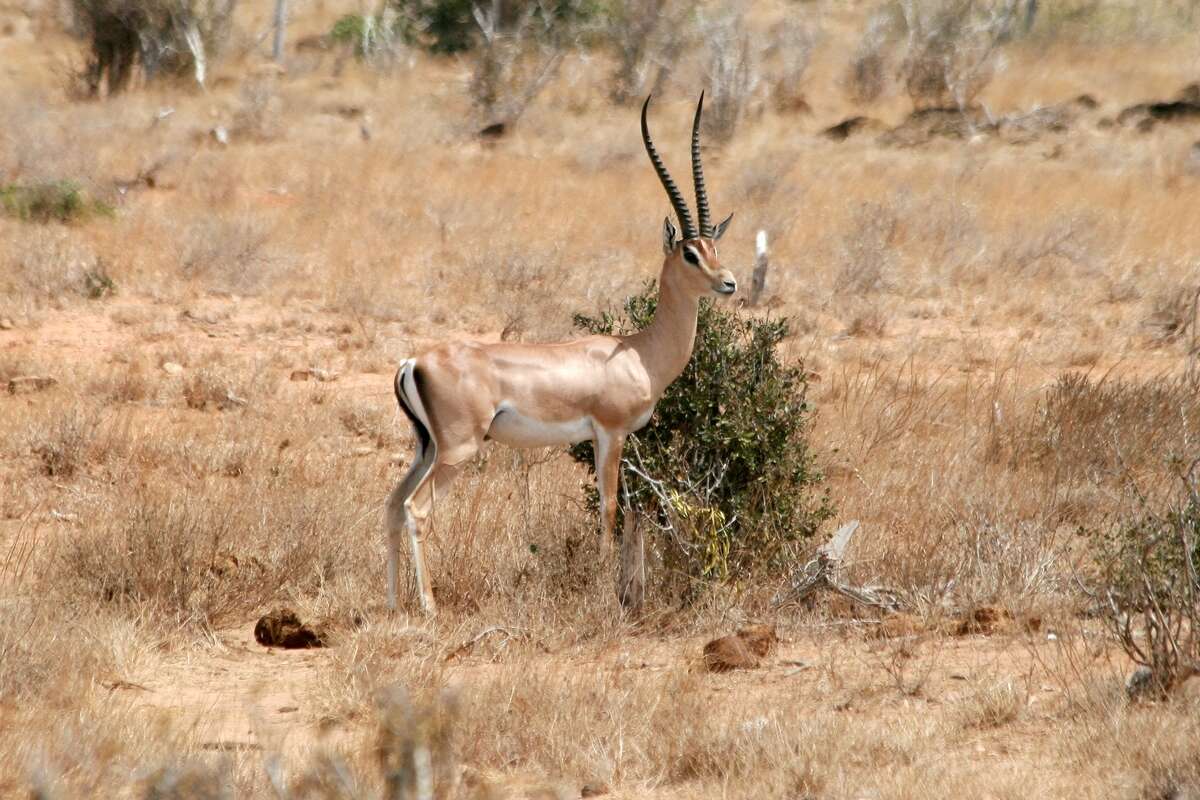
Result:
[
  {"x": 631, "y": 575},
  {"x": 280, "y": 29},
  {"x": 1031, "y": 10},
  {"x": 762, "y": 263}
]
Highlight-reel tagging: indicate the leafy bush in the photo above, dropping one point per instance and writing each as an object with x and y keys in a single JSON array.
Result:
[
  {"x": 451, "y": 26},
  {"x": 369, "y": 36},
  {"x": 1151, "y": 588},
  {"x": 724, "y": 468},
  {"x": 52, "y": 201}
]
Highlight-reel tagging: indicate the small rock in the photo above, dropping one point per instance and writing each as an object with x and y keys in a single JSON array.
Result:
[
  {"x": 728, "y": 653},
  {"x": 221, "y": 135},
  {"x": 982, "y": 620},
  {"x": 171, "y": 368},
  {"x": 743, "y": 650},
  {"x": 761, "y": 639},
  {"x": 323, "y": 375},
  {"x": 6, "y": 324},
  {"x": 594, "y": 789},
  {"x": 283, "y": 628},
  {"x": 364, "y": 451},
  {"x": 1140, "y": 684}
]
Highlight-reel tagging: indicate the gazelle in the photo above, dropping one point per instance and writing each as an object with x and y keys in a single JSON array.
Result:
[{"x": 460, "y": 394}]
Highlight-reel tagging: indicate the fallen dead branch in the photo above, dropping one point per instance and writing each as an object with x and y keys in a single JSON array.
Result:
[{"x": 822, "y": 572}]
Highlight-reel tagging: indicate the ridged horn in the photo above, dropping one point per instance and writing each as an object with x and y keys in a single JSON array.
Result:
[
  {"x": 676, "y": 197},
  {"x": 706, "y": 228}
]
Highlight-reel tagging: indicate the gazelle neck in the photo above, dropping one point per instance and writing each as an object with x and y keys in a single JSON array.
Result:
[{"x": 665, "y": 345}]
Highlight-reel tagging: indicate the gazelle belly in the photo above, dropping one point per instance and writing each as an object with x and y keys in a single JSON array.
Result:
[{"x": 516, "y": 429}]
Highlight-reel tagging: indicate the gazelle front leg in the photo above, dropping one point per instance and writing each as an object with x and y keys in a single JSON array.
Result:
[{"x": 608, "y": 446}]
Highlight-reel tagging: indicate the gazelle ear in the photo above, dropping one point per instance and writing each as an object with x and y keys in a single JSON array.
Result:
[
  {"x": 719, "y": 231},
  {"x": 669, "y": 233}
]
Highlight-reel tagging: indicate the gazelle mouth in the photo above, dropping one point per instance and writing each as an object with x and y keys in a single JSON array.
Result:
[{"x": 724, "y": 289}]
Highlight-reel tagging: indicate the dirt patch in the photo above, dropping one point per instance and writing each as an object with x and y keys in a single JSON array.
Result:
[{"x": 283, "y": 628}]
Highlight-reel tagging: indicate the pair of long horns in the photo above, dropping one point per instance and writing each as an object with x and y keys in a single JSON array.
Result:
[{"x": 690, "y": 231}]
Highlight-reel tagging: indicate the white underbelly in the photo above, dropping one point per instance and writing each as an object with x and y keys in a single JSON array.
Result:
[{"x": 515, "y": 429}]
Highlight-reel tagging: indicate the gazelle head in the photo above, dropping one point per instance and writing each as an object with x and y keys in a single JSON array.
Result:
[{"x": 691, "y": 256}]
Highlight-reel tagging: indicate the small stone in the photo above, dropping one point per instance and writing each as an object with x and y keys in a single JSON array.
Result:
[
  {"x": 364, "y": 451},
  {"x": 743, "y": 650},
  {"x": 728, "y": 653},
  {"x": 1140, "y": 683},
  {"x": 323, "y": 375},
  {"x": 171, "y": 368},
  {"x": 593, "y": 789},
  {"x": 314, "y": 373},
  {"x": 282, "y": 628},
  {"x": 6, "y": 324}
]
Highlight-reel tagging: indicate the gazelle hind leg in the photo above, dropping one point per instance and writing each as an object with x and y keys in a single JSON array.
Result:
[
  {"x": 455, "y": 439},
  {"x": 399, "y": 522},
  {"x": 397, "y": 519},
  {"x": 417, "y": 510}
]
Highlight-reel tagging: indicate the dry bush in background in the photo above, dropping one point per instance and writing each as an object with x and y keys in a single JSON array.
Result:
[
  {"x": 1107, "y": 430},
  {"x": 949, "y": 50},
  {"x": 227, "y": 254},
  {"x": 648, "y": 37},
  {"x": 167, "y": 37},
  {"x": 951, "y": 45},
  {"x": 732, "y": 72},
  {"x": 866, "y": 76},
  {"x": 867, "y": 251},
  {"x": 520, "y": 50},
  {"x": 788, "y": 54}
]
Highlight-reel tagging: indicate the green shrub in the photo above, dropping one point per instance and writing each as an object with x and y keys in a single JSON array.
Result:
[
  {"x": 368, "y": 36},
  {"x": 450, "y": 26},
  {"x": 1150, "y": 587},
  {"x": 725, "y": 462},
  {"x": 52, "y": 201}
]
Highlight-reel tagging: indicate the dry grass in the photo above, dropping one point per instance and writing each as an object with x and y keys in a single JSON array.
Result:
[{"x": 999, "y": 337}]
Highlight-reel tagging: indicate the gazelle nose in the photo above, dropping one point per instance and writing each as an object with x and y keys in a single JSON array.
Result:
[{"x": 729, "y": 286}]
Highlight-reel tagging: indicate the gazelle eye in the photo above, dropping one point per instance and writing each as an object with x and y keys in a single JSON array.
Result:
[{"x": 689, "y": 255}]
